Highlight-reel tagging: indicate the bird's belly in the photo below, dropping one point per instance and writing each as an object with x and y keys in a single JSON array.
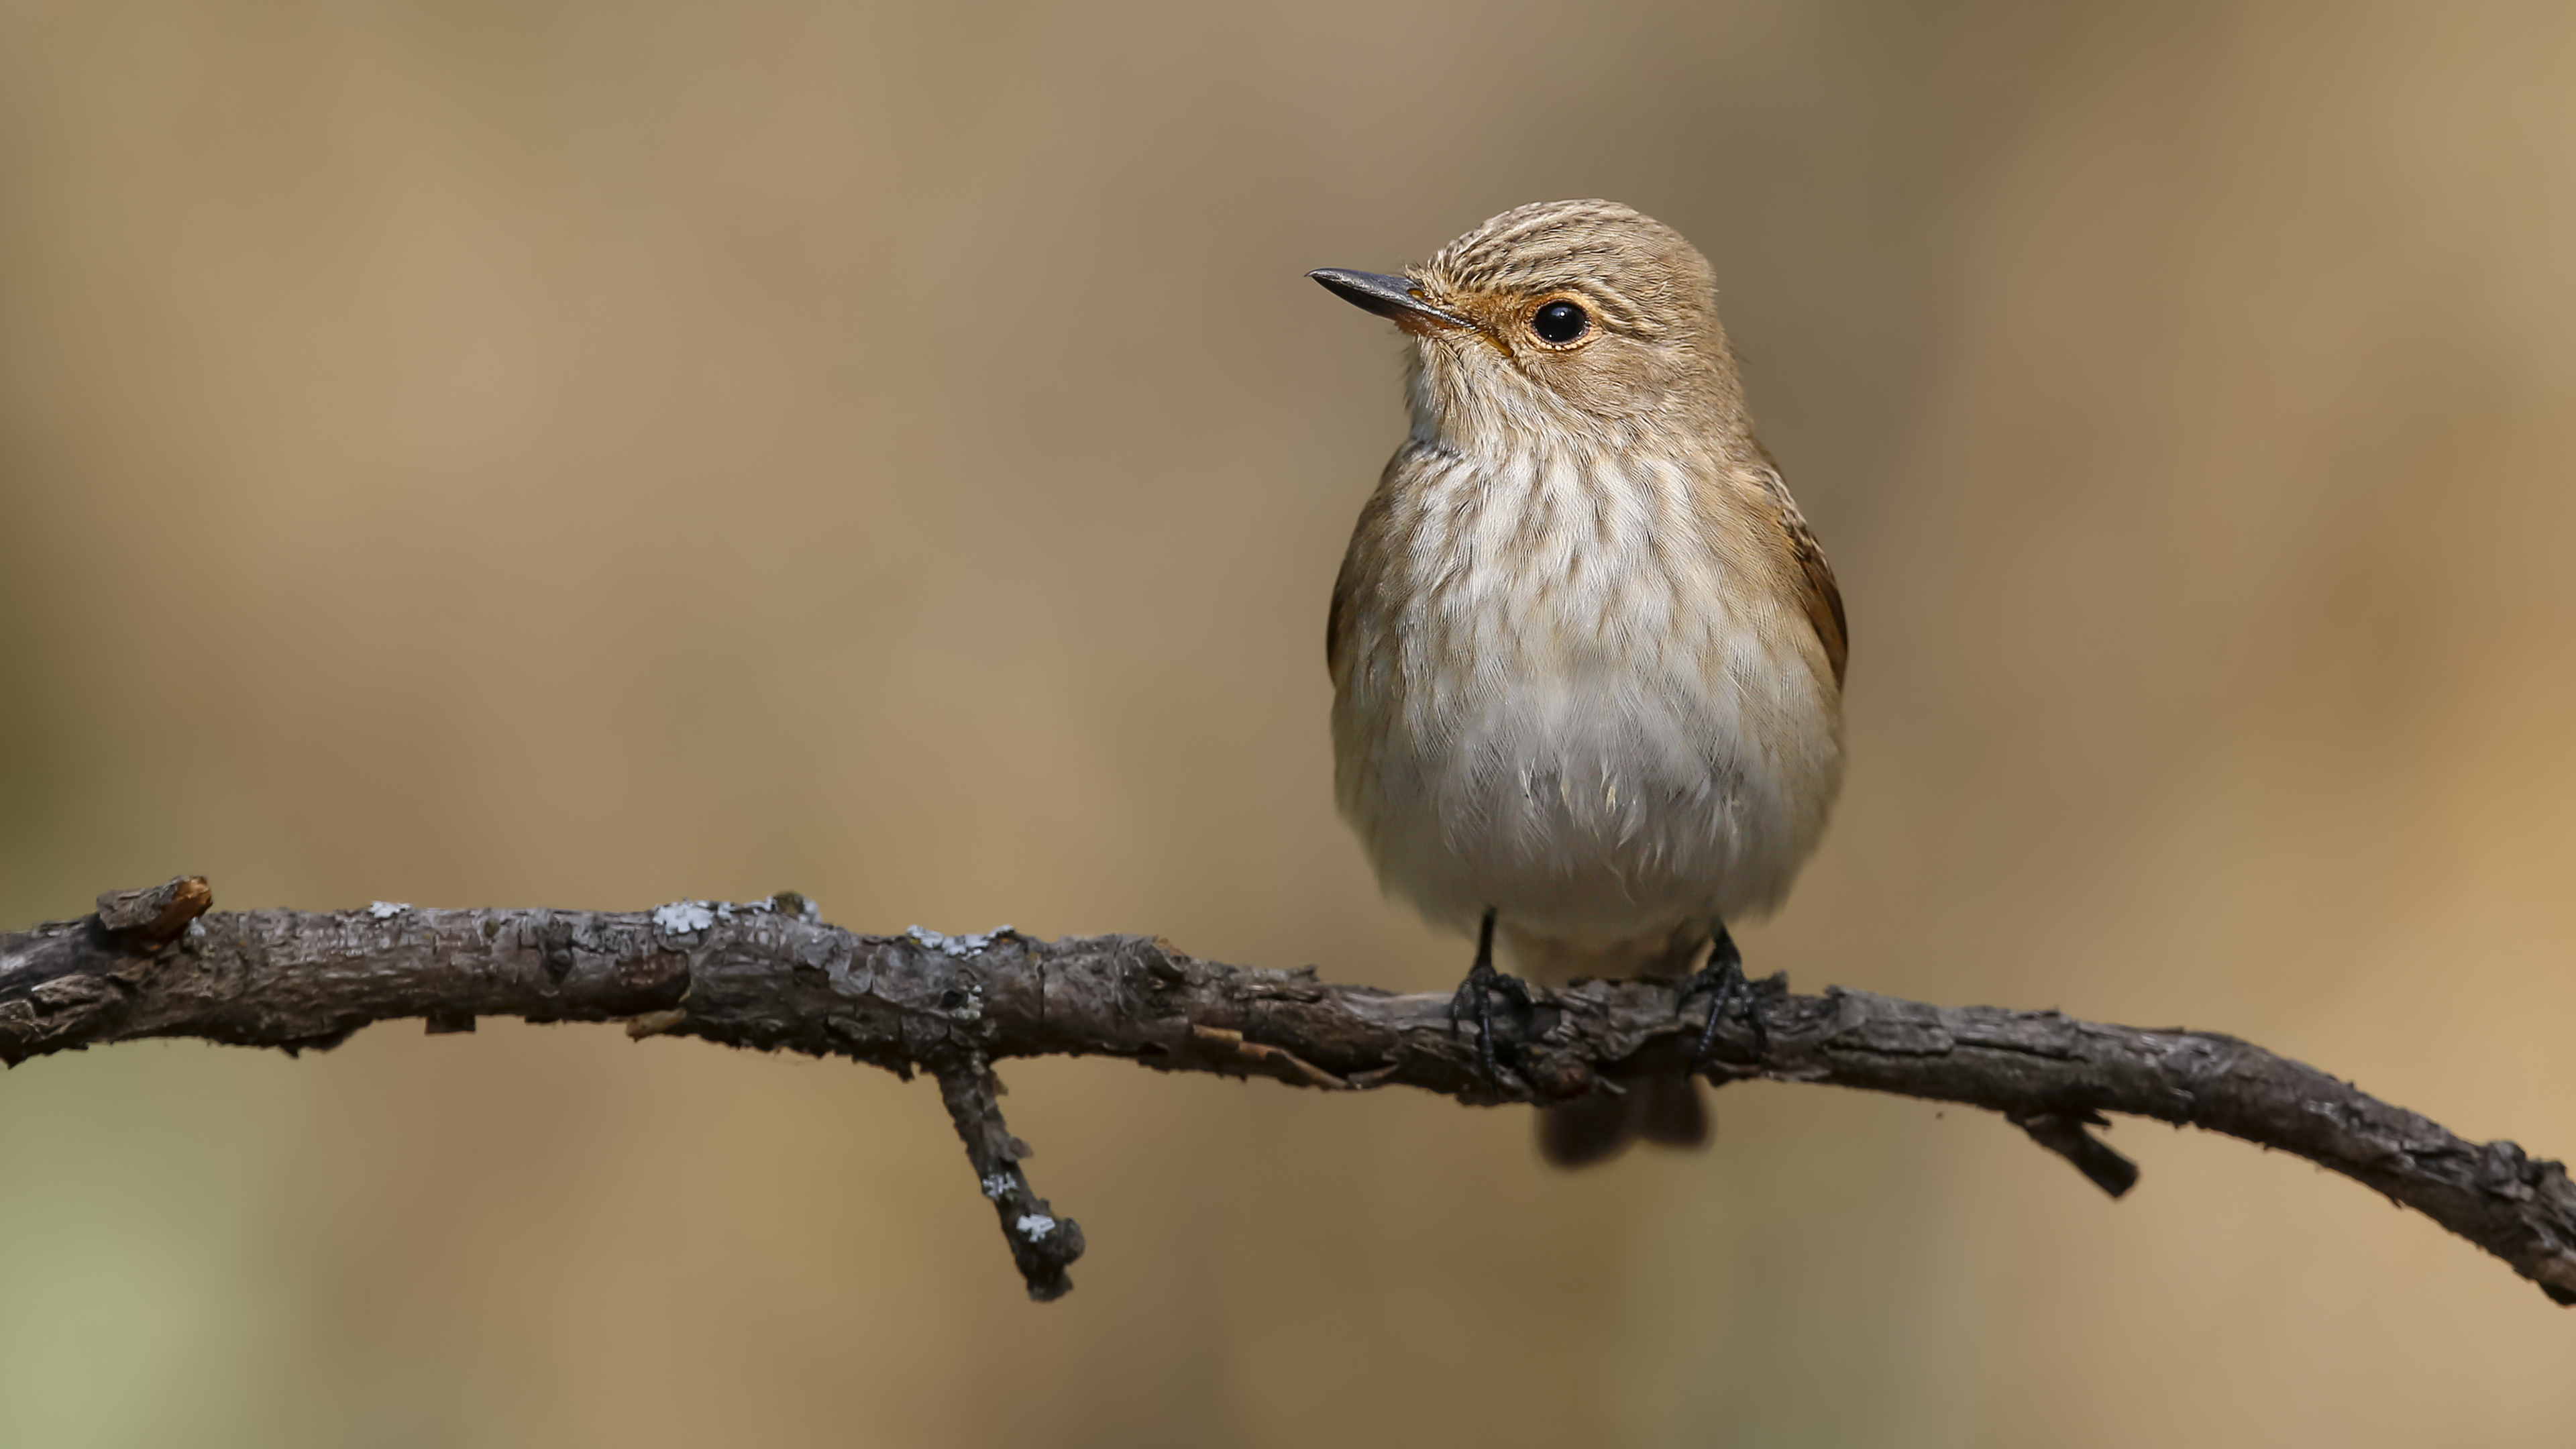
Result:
[{"x": 1602, "y": 794}]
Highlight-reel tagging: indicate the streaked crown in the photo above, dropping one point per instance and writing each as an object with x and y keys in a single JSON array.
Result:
[
  {"x": 1574, "y": 311},
  {"x": 1637, "y": 275}
]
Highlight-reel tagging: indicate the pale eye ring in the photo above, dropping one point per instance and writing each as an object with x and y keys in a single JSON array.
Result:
[{"x": 1560, "y": 322}]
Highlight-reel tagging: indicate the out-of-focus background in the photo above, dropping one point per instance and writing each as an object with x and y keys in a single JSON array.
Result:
[{"x": 590, "y": 454}]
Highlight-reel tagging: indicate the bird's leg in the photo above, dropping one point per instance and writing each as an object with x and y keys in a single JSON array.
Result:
[
  {"x": 1478, "y": 990},
  {"x": 1725, "y": 972}
]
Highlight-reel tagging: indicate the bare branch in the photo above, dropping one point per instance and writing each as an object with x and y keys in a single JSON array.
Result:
[{"x": 770, "y": 975}]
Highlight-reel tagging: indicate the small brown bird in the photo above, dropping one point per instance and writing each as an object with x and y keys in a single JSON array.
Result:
[{"x": 1587, "y": 657}]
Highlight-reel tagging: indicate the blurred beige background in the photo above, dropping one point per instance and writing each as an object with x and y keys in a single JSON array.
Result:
[{"x": 588, "y": 454}]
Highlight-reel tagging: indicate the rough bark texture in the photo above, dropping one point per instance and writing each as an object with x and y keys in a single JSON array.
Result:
[{"x": 769, "y": 974}]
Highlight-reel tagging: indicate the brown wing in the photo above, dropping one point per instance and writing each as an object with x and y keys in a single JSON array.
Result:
[
  {"x": 1822, "y": 597},
  {"x": 1348, "y": 583},
  {"x": 1333, "y": 625}
]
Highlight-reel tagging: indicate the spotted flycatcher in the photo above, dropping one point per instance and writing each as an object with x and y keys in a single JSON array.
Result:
[{"x": 1587, "y": 657}]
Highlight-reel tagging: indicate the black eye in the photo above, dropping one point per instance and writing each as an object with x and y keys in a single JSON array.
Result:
[{"x": 1559, "y": 323}]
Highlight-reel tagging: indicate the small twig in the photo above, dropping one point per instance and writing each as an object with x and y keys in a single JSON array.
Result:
[
  {"x": 2064, "y": 1135},
  {"x": 1042, "y": 1244},
  {"x": 769, "y": 974}
]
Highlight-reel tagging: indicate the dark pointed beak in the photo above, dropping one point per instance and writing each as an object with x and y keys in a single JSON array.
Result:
[{"x": 1391, "y": 297}]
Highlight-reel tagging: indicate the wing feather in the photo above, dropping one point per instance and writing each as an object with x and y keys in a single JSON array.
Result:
[{"x": 1821, "y": 596}]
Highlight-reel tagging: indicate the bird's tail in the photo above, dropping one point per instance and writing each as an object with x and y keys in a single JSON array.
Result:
[{"x": 1667, "y": 1111}]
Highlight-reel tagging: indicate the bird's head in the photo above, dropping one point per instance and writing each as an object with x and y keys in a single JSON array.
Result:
[{"x": 1554, "y": 316}]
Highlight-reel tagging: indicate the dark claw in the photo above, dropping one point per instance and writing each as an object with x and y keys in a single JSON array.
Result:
[
  {"x": 1479, "y": 987},
  {"x": 1725, "y": 971}
]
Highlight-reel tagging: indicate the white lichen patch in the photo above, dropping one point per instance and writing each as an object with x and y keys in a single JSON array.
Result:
[
  {"x": 679, "y": 918},
  {"x": 996, "y": 1185},
  {"x": 387, "y": 910},
  {"x": 1035, "y": 1227},
  {"x": 786, "y": 904},
  {"x": 967, "y": 945}
]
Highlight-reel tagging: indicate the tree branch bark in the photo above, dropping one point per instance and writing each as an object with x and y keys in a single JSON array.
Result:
[{"x": 770, "y": 975}]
